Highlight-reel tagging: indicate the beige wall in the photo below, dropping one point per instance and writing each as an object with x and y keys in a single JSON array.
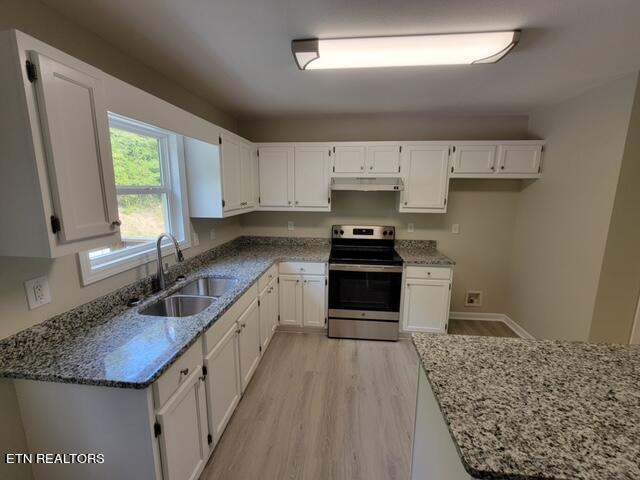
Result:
[
  {"x": 619, "y": 285},
  {"x": 385, "y": 127},
  {"x": 46, "y": 24},
  {"x": 484, "y": 209},
  {"x": 562, "y": 219}
]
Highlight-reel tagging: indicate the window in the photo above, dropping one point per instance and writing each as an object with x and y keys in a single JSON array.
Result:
[{"x": 149, "y": 171}]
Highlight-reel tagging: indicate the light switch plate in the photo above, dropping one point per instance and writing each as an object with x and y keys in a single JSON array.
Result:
[
  {"x": 410, "y": 227},
  {"x": 290, "y": 225},
  {"x": 38, "y": 293},
  {"x": 455, "y": 228}
]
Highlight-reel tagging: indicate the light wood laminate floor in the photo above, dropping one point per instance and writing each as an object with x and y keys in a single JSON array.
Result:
[
  {"x": 482, "y": 328},
  {"x": 325, "y": 409}
]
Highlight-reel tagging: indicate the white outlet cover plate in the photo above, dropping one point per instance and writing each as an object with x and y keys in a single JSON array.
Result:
[
  {"x": 410, "y": 227},
  {"x": 38, "y": 292},
  {"x": 455, "y": 228},
  {"x": 290, "y": 225}
]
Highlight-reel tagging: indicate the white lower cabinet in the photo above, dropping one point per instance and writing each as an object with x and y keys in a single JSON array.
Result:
[
  {"x": 223, "y": 382},
  {"x": 183, "y": 421},
  {"x": 249, "y": 343},
  {"x": 303, "y": 297},
  {"x": 268, "y": 307},
  {"x": 427, "y": 294},
  {"x": 313, "y": 301}
]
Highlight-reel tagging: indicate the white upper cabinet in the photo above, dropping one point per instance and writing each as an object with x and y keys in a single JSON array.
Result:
[
  {"x": 294, "y": 177},
  {"x": 349, "y": 159},
  {"x": 221, "y": 178},
  {"x": 75, "y": 128},
  {"x": 248, "y": 162},
  {"x": 473, "y": 160},
  {"x": 230, "y": 152},
  {"x": 57, "y": 170},
  {"x": 426, "y": 184},
  {"x": 519, "y": 160},
  {"x": 383, "y": 159},
  {"x": 509, "y": 159},
  {"x": 311, "y": 173},
  {"x": 275, "y": 165}
]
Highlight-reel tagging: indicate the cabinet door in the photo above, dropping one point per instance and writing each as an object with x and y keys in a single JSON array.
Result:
[
  {"x": 311, "y": 184},
  {"x": 426, "y": 305},
  {"x": 223, "y": 382},
  {"x": 231, "y": 173},
  {"x": 275, "y": 165},
  {"x": 75, "y": 131},
  {"x": 348, "y": 159},
  {"x": 519, "y": 159},
  {"x": 313, "y": 304},
  {"x": 290, "y": 293},
  {"x": 248, "y": 177},
  {"x": 183, "y": 439},
  {"x": 383, "y": 159},
  {"x": 425, "y": 177},
  {"x": 472, "y": 160},
  {"x": 249, "y": 343},
  {"x": 267, "y": 309},
  {"x": 275, "y": 300}
]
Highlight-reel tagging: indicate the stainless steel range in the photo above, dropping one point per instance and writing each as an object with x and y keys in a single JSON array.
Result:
[{"x": 365, "y": 277}]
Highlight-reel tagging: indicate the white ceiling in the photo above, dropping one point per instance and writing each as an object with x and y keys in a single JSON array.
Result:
[{"x": 236, "y": 53}]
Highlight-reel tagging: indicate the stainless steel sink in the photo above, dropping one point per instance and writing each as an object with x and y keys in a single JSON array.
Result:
[
  {"x": 178, "y": 306},
  {"x": 209, "y": 286}
]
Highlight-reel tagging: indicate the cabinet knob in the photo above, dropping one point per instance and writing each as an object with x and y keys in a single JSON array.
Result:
[
  {"x": 492, "y": 167},
  {"x": 501, "y": 167},
  {"x": 116, "y": 223},
  {"x": 184, "y": 371},
  {"x": 243, "y": 325},
  {"x": 405, "y": 203},
  {"x": 297, "y": 281},
  {"x": 297, "y": 202},
  {"x": 371, "y": 167},
  {"x": 362, "y": 167},
  {"x": 239, "y": 330},
  {"x": 289, "y": 202}
]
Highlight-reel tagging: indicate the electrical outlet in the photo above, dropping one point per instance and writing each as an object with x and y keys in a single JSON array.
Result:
[
  {"x": 195, "y": 238},
  {"x": 212, "y": 234},
  {"x": 38, "y": 293},
  {"x": 455, "y": 228},
  {"x": 290, "y": 225},
  {"x": 410, "y": 227}
]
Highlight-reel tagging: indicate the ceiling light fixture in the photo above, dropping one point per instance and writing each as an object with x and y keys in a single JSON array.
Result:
[{"x": 401, "y": 51}]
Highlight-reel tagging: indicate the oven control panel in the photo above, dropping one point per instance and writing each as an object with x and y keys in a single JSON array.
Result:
[{"x": 378, "y": 232}]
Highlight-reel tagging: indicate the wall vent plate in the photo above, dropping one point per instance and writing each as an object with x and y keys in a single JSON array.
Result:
[{"x": 473, "y": 298}]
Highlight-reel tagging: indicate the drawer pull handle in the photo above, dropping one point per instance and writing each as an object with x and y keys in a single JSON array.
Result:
[{"x": 184, "y": 371}]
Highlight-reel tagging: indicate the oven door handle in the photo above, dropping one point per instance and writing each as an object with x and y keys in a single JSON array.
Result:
[{"x": 346, "y": 267}]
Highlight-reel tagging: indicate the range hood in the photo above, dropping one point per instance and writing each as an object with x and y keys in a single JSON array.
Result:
[{"x": 368, "y": 184}]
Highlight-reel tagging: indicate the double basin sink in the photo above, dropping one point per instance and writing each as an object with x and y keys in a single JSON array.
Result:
[{"x": 191, "y": 299}]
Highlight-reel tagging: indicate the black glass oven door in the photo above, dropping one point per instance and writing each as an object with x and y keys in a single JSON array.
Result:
[{"x": 364, "y": 290}]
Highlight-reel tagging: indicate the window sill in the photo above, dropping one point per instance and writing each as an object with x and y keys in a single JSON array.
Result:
[{"x": 91, "y": 274}]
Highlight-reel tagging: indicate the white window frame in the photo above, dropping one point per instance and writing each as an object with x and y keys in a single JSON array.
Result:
[{"x": 177, "y": 213}]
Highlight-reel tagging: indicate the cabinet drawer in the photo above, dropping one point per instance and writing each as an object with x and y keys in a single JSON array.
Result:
[
  {"x": 218, "y": 329},
  {"x": 435, "y": 273},
  {"x": 305, "y": 268},
  {"x": 177, "y": 373},
  {"x": 265, "y": 279}
]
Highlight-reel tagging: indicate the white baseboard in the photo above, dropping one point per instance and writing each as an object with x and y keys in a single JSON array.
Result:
[{"x": 492, "y": 317}]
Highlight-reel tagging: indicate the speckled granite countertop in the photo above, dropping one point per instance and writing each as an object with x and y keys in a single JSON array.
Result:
[
  {"x": 421, "y": 252},
  {"x": 106, "y": 343},
  {"x": 532, "y": 410}
]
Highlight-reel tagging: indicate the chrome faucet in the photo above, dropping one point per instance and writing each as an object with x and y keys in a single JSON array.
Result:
[{"x": 179, "y": 257}]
